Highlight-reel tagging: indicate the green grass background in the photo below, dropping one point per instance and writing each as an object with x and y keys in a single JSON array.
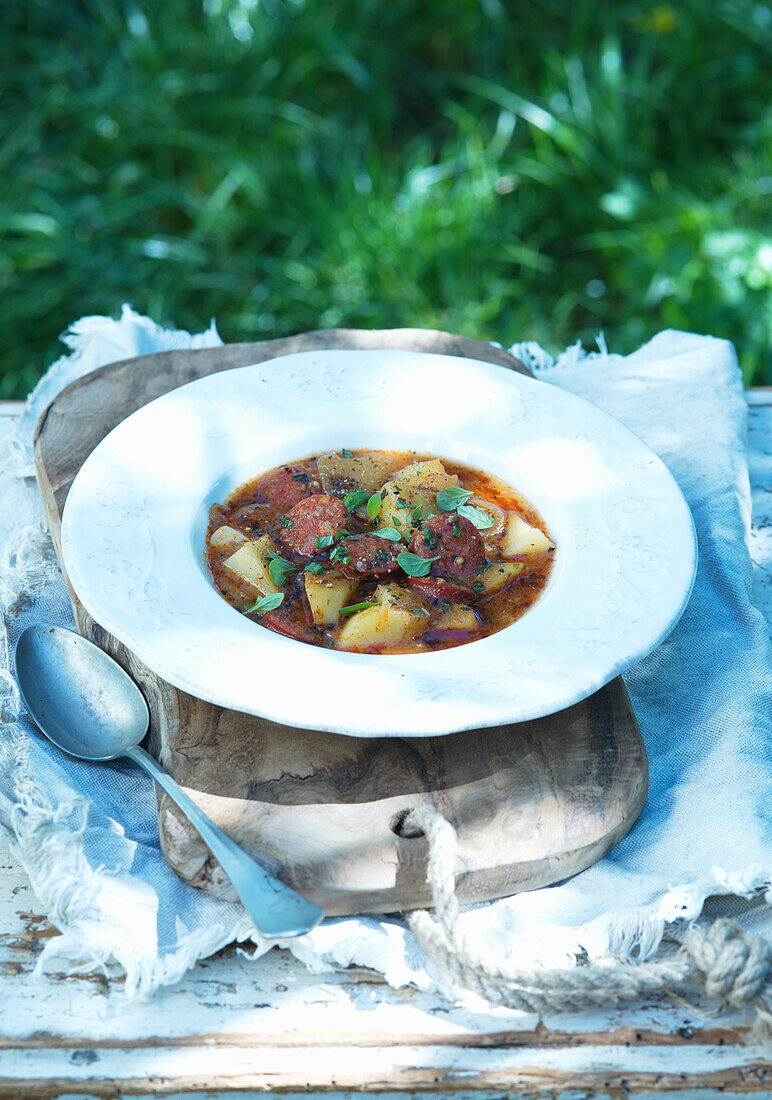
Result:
[{"x": 504, "y": 170}]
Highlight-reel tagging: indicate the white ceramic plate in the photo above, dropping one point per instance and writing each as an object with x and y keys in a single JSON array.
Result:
[{"x": 135, "y": 519}]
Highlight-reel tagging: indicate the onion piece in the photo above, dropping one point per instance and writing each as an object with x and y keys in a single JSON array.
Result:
[{"x": 492, "y": 510}]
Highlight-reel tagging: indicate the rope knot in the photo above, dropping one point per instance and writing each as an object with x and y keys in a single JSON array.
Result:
[{"x": 736, "y": 964}]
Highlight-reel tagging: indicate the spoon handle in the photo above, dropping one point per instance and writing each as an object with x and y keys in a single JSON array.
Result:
[{"x": 278, "y": 912}]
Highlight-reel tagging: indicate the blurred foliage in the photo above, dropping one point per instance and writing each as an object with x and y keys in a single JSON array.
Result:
[{"x": 504, "y": 170}]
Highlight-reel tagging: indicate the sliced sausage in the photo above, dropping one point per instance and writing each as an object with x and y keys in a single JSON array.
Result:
[
  {"x": 368, "y": 557},
  {"x": 437, "y": 588},
  {"x": 287, "y": 485},
  {"x": 281, "y": 623},
  {"x": 454, "y": 540},
  {"x": 315, "y": 517}
]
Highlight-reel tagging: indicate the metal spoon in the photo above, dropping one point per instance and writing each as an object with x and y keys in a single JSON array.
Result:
[{"x": 90, "y": 708}]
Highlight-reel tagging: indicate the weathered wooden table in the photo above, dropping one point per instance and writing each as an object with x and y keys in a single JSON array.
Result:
[{"x": 240, "y": 1027}]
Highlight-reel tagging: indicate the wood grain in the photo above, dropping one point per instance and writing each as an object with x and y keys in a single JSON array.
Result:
[
  {"x": 532, "y": 803},
  {"x": 229, "y": 1015},
  {"x": 516, "y": 1082}
]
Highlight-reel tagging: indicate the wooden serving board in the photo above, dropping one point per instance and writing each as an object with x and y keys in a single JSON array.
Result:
[{"x": 532, "y": 803}]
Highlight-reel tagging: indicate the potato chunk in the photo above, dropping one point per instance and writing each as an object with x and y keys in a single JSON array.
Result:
[
  {"x": 398, "y": 617},
  {"x": 498, "y": 575},
  {"x": 416, "y": 485},
  {"x": 341, "y": 473},
  {"x": 398, "y": 596},
  {"x": 395, "y": 514},
  {"x": 456, "y": 617},
  {"x": 327, "y": 594},
  {"x": 521, "y": 538},
  {"x": 227, "y": 538},
  {"x": 250, "y": 564},
  {"x": 420, "y": 483}
]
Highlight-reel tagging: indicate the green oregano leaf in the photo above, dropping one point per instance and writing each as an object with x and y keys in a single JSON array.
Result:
[
  {"x": 314, "y": 567},
  {"x": 477, "y": 516},
  {"x": 358, "y": 607},
  {"x": 278, "y": 568},
  {"x": 324, "y": 541},
  {"x": 374, "y": 503},
  {"x": 390, "y": 533},
  {"x": 355, "y": 499},
  {"x": 417, "y": 514},
  {"x": 449, "y": 499},
  {"x": 414, "y": 565},
  {"x": 266, "y": 603},
  {"x": 346, "y": 452}
]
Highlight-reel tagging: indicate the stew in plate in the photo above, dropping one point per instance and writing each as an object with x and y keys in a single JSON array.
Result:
[{"x": 379, "y": 552}]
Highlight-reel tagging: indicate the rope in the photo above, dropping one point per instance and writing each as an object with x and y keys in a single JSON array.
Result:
[{"x": 730, "y": 964}]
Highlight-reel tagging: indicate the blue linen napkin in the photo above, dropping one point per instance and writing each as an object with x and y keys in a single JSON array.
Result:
[{"x": 86, "y": 834}]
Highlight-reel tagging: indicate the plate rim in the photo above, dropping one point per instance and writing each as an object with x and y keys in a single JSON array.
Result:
[{"x": 364, "y": 729}]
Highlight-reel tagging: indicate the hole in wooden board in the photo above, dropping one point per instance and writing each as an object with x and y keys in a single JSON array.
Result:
[{"x": 397, "y": 825}]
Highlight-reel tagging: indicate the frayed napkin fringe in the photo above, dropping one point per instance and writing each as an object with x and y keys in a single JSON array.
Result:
[
  {"x": 533, "y": 355},
  {"x": 26, "y": 566},
  {"x": 94, "y": 342},
  {"x": 48, "y": 842},
  {"x": 640, "y": 932}
]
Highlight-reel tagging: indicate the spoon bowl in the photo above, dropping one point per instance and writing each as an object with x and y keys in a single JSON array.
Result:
[
  {"x": 91, "y": 709},
  {"x": 82, "y": 700}
]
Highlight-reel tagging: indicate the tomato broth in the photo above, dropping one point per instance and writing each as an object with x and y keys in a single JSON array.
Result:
[{"x": 379, "y": 552}]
